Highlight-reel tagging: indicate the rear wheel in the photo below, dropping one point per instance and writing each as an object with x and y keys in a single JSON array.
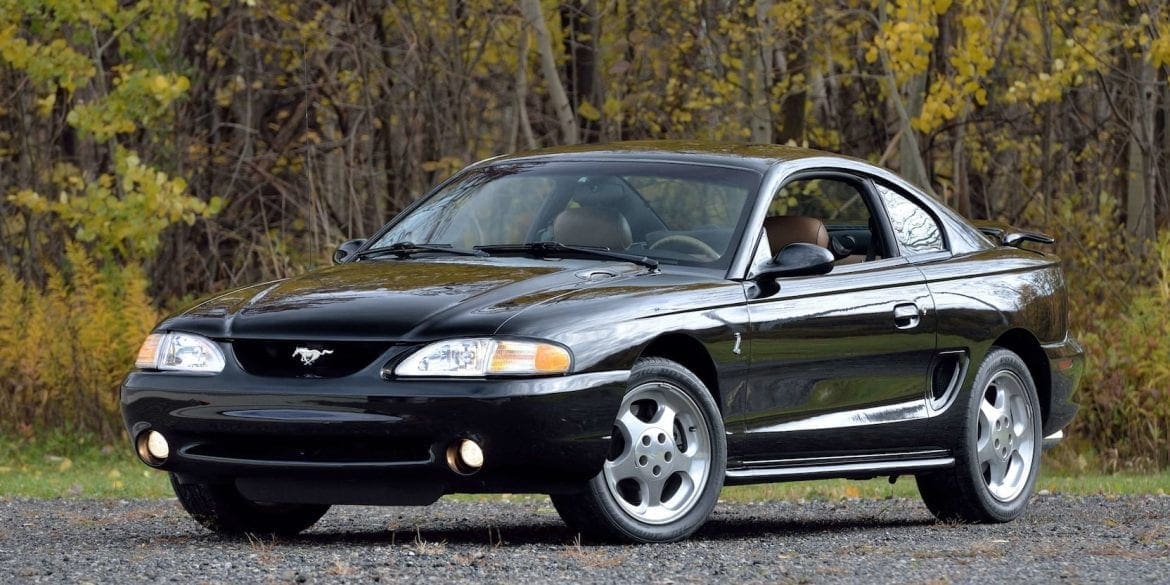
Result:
[
  {"x": 666, "y": 463},
  {"x": 996, "y": 467},
  {"x": 219, "y": 507}
]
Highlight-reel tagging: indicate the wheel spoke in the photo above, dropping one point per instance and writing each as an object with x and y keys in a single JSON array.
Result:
[
  {"x": 655, "y": 486},
  {"x": 1021, "y": 421},
  {"x": 623, "y": 467},
  {"x": 643, "y": 496},
  {"x": 664, "y": 418},
  {"x": 1014, "y": 463},
  {"x": 686, "y": 487},
  {"x": 998, "y": 470},
  {"x": 986, "y": 450},
  {"x": 988, "y": 414},
  {"x": 1021, "y": 431},
  {"x": 631, "y": 424},
  {"x": 682, "y": 460}
]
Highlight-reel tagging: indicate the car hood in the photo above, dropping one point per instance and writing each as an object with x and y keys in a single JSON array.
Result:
[{"x": 394, "y": 299}]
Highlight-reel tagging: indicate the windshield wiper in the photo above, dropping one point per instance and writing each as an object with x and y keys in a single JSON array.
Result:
[
  {"x": 404, "y": 249},
  {"x": 542, "y": 249}
]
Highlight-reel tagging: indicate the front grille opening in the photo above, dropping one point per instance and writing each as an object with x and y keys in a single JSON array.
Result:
[
  {"x": 305, "y": 359},
  {"x": 313, "y": 449}
]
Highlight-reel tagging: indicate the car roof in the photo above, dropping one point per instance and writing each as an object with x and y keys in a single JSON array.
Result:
[{"x": 757, "y": 157}]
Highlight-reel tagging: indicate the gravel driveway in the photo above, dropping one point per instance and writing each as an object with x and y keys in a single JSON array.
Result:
[{"x": 1061, "y": 539}]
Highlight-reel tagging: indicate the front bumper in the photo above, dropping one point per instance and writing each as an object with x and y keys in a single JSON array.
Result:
[{"x": 364, "y": 440}]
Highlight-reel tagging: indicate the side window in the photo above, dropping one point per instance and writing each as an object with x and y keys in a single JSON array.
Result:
[
  {"x": 916, "y": 230},
  {"x": 831, "y": 200},
  {"x": 828, "y": 212}
]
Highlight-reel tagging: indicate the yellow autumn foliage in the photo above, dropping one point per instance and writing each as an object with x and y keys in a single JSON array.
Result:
[{"x": 65, "y": 348}]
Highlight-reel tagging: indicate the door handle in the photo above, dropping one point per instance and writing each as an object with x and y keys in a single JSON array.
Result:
[{"x": 906, "y": 316}]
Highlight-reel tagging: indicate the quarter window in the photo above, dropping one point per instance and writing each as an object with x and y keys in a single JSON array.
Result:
[{"x": 915, "y": 229}]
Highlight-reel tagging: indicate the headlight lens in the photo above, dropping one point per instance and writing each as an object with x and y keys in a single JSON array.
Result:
[
  {"x": 485, "y": 357},
  {"x": 180, "y": 352}
]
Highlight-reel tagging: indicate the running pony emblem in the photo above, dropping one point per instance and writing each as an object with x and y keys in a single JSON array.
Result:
[{"x": 308, "y": 356}]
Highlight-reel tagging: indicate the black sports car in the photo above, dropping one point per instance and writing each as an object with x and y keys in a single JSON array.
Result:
[{"x": 627, "y": 328}]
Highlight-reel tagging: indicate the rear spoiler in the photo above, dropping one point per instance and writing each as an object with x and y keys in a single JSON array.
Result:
[{"x": 1006, "y": 235}]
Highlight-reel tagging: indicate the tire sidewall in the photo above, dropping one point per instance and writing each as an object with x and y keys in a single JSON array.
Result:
[
  {"x": 998, "y": 360},
  {"x": 662, "y": 370}
]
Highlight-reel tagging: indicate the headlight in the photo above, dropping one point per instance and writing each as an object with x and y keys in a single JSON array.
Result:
[
  {"x": 180, "y": 352},
  {"x": 485, "y": 357}
]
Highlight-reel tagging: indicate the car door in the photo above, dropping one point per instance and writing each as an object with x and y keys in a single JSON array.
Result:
[{"x": 840, "y": 360}]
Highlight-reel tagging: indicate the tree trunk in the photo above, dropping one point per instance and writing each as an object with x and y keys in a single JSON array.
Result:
[
  {"x": 1141, "y": 180},
  {"x": 522, "y": 123},
  {"x": 579, "y": 18},
  {"x": 548, "y": 65},
  {"x": 959, "y": 163},
  {"x": 794, "y": 104},
  {"x": 760, "y": 82}
]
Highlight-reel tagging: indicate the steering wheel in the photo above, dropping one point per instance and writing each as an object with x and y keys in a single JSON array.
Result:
[{"x": 687, "y": 245}]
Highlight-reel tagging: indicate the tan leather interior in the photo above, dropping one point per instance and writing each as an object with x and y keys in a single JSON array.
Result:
[
  {"x": 790, "y": 229},
  {"x": 591, "y": 226}
]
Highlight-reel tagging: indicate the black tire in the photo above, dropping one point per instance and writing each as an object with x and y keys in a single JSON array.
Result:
[
  {"x": 679, "y": 471},
  {"x": 969, "y": 492},
  {"x": 219, "y": 507}
]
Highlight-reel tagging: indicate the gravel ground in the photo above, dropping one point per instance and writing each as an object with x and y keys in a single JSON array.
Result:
[{"x": 1061, "y": 539}]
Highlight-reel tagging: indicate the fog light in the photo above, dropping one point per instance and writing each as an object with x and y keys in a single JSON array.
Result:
[
  {"x": 471, "y": 453},
  {"x": 465, "y": 457},
  {"x": 157, "y": 445},
  {"x": 153, "y": 448}
]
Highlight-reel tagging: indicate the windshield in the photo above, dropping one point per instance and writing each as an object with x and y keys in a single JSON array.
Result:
[{"x": 674, "y": 213}]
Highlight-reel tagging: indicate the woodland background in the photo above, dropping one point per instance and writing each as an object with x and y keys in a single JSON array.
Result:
[{"x": 152, "y": 151}]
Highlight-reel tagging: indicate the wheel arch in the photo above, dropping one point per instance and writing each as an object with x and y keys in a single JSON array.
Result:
[
  {"x": 1024, "y": 344},
  {"x": 692, "y": 354}
]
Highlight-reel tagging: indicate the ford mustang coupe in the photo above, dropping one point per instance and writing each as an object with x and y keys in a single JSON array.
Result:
[{"x": 627, "y": 328}]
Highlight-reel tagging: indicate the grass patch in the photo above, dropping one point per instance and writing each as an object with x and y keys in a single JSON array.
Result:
[
  {"x": 823, "y": 489},
  {"x": 1121, "y": 484},
  {"x": 75, "y": 466},
  {"x": 72, "y": 466}
]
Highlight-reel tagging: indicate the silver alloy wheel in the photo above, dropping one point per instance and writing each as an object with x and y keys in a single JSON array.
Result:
[
  {"x": 662, "y": 454},
  {"x": 1006, "y": 441}
]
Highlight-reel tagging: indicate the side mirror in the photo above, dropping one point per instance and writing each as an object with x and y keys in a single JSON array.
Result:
[
  {"x": 799, "y": 259},
  {"x": 346, "y": 250}
]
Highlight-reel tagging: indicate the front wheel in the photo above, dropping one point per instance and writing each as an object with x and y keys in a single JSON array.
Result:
[
  {"x": 219, "y": 507},
  {"x": 666, "y": 462},
  {"x": 996, "y": 466}
]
